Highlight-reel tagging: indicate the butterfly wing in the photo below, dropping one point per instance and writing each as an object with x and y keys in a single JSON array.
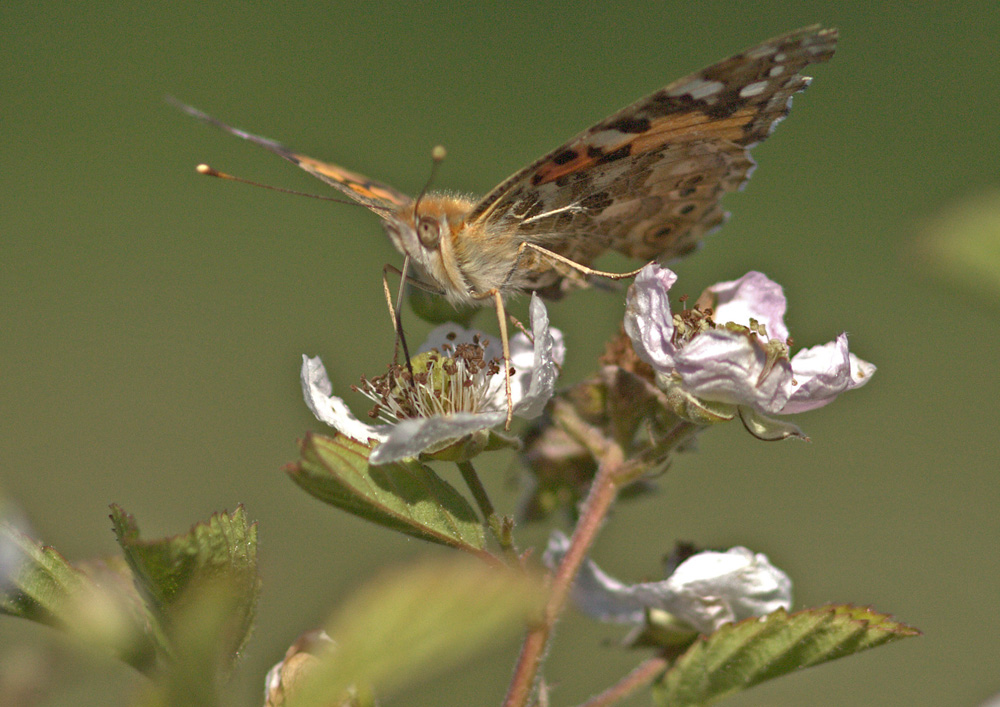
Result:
[
  {"x": 378, "y": 197},
  {"x": 648, "y": 180}
]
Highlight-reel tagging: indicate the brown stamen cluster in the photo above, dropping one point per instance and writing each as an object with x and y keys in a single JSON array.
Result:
[
  {"x": 455, "y": 379},
  {"x": 688, "y": 323}
]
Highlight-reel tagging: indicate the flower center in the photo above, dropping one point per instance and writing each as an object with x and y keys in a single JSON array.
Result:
[
  {"x": 774, "y": 349},
  {"x": 458, "y": 378},
  {"x": 688, "y": 323}
]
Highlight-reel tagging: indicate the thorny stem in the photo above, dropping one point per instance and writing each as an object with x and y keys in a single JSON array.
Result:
[
  {"x": 645, "y": 673},
  {"x": 497, "y": 525},
  {"x": 602, "y": 494},
  {"x": 613, "y": 472}
]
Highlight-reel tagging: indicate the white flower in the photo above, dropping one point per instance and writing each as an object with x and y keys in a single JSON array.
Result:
[
  {"x": 460, "y": 395},
  {"x": 731, "y": 350},
  {"x": 705, "y": 591}
]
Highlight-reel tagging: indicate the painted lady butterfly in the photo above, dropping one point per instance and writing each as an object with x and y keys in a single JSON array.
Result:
[{"x": 646, "y": 182}]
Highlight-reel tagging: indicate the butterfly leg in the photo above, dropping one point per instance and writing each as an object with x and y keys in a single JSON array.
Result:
[
  {"x": 505, "y": 345},
  {"x": 395, "y": 313},
  {"x": 395, "y": 309},
  {"x": 583, "y": 269}
]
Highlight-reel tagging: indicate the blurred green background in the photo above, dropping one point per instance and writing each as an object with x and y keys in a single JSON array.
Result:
[{"x": 153, "y": 321}]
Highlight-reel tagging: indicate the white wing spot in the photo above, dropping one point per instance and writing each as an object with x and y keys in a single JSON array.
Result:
[
  {"x": 698, "y": 89},
  {"x": 606, "y": 138},
  {"x": 776, "y": 70},
  {"x": 753, "y": 89}
]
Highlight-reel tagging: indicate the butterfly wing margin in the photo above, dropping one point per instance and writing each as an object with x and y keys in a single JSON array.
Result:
[
  {"x": 378, "y": 197},
  {"x": 647, "y": 181}
]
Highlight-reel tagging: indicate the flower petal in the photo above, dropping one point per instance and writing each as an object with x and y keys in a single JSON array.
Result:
[
  {"x": 531, "y": 389},
  {"x": 648, "y": 320},
  {"x": 408, "y": 438},
  {"x": 713, "y": 588},
  {"x": 705, "y": 591},
  {"x": 728, "y": 367},
  {"x": 318, "y": 393},
  {"x": 823, "y": 373},
  {"x": 752, "y": 296}
]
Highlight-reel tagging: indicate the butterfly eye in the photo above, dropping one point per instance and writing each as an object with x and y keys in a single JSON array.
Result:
[{"x": 428, "y": 232}]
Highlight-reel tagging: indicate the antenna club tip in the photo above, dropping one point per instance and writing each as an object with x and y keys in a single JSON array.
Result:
[
  {"x": 438, "y": 153},
  {"x": 205, "y": 169}
]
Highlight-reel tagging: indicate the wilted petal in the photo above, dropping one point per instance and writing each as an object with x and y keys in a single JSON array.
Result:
[
  {"x": 823, "y": 373},
  {"x": 733, "y": 350},
  {"x": 728, "y": 367},
  {"x": 705, "y": 591},
  {"x": 714, "y": 588},
  {"x": 753, "y": 296},
  {"x": 318, "y": 393},
  {"x": 648, "y": 320}
]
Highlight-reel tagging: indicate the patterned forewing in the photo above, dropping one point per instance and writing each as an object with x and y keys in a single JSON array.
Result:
[{"x": 648, "y": 180}]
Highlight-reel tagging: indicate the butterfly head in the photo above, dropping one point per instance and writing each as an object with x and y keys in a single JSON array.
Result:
[{"x": 426, "y": 231}]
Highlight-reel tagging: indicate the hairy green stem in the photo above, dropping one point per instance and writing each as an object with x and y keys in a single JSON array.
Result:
[{"x": 501, "y": 530}]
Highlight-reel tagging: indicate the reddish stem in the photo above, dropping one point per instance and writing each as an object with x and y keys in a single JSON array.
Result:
[
  {"x": 644, "y": 674},
  {"x": 602, "y": 494}
]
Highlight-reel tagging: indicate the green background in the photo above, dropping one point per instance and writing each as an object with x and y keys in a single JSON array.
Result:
[{"x": 153, "y": 321}]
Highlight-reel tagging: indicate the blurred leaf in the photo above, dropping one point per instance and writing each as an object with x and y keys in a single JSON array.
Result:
[
  {"x": 962, "y": 242},
  {"x": 96, "y": 602},
  {"x": 405, "y": 496},
  {"x": 221, "y": 550},
  {"x": 409, "y": 624},
  {"x": 42, "y": 586},
  {"x": 741, "y": 655},
  {"x": 205, "y": 625}
]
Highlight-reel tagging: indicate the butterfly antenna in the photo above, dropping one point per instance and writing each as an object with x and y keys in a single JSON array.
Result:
[
  {"x": 437, "y": 157},
  {"x": 212, "y": 172}
]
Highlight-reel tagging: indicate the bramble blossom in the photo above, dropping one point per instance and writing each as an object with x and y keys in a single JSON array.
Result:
[
  {"x": 707, "y": 590},
  {"x": 459, "y": 390},
  {"x": 729, "y": 354}
]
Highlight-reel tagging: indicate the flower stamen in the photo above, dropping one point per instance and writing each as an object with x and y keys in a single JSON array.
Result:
[{"x": 455, "y": 379}]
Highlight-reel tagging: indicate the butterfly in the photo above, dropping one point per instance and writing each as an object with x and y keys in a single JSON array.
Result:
[{"x": 646, "y": 182}]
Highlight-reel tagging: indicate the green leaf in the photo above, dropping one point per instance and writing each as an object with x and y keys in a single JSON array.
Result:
[
  {"x": 405, "y": 496},
  {"x": 96, "y": 601},
  {"x": 412, "y": 623},
  {"x": 223, "y": 549},
  {"x": 741, "y": 655},
  {"x": 43, "y": 583},
  {"x": 206, "y": 623}
]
